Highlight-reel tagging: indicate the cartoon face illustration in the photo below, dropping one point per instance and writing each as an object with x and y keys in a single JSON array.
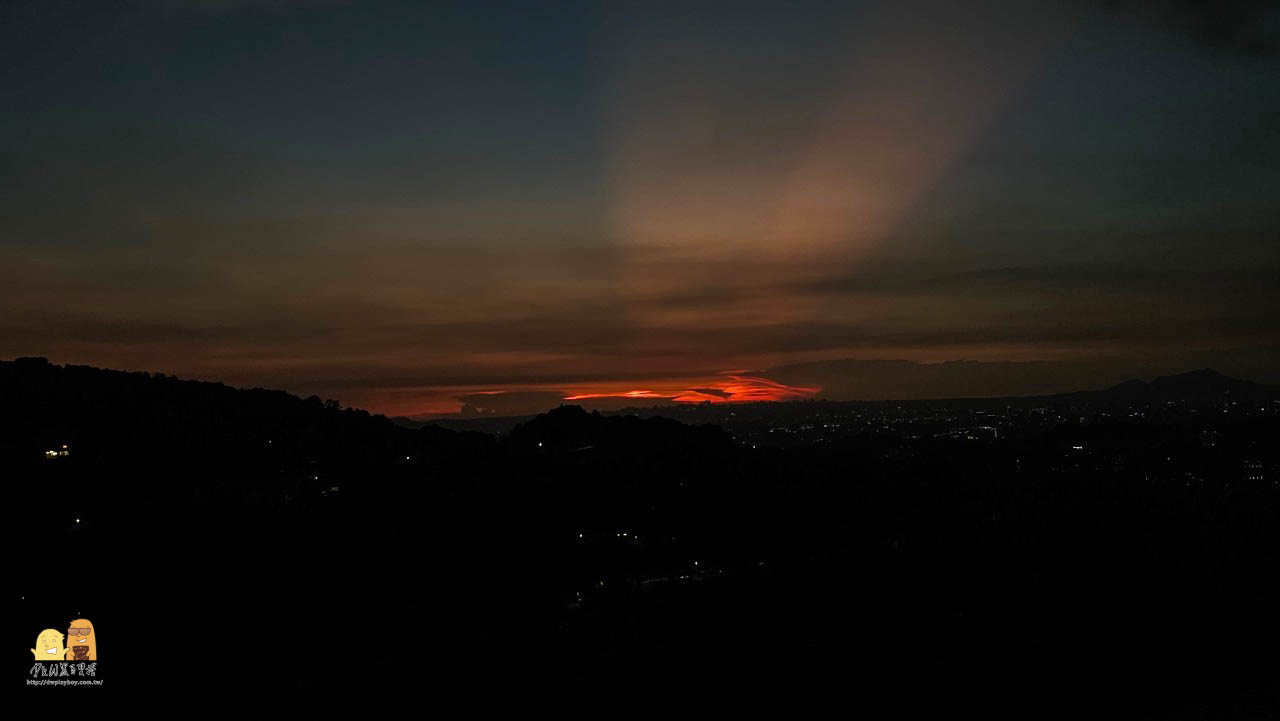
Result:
[
  {"x": 49, "y": 646},
  {"x": 82, "y": 642}
]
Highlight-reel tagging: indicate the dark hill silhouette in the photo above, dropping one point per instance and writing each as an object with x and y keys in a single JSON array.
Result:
[
  {"x": 570, "y": 428},
  {"x": 1204, "y": 386},
  {"x": 157, "y": 420},
  {"x": 1208, "y": 382},
  {"x": 641, "y": 550},
  {"x": 106, "y": 411}
]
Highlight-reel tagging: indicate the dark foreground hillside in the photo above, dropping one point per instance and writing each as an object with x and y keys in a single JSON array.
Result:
[{"x": 218, "y": 536}]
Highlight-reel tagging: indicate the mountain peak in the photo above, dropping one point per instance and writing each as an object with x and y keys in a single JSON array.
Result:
[{"x": 1201, "y": 377}]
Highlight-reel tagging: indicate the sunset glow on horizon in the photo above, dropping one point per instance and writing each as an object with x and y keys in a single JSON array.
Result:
[
  {"x": 737, "y": 389},
  {"x": 737, "y": 386}
]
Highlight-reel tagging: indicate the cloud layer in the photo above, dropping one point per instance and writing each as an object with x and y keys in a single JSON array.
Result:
[{"x": 484, "y": 207}]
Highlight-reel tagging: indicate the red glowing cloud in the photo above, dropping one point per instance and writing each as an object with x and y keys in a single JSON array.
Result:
[
  {"x": 627, "y": 394},
  {"x": 733, "y": 387}
]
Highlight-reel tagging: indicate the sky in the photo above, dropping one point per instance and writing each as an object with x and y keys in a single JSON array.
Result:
[{"x": 431, "y": 208}]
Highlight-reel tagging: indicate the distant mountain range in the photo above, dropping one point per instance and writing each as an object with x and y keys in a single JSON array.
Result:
[
  {"x": 1200, "y": 387},
  {"x": 896, "y": 380},
  {"x": 39, "y": 396},
  {"x": 853, "y": 379}
]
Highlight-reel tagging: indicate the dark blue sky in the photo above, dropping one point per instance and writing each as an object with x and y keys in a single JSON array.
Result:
[{"x": 398, "y": 204}]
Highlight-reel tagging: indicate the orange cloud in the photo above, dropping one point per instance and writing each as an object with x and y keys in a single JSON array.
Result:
[{"x": 737, "y": 388}]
